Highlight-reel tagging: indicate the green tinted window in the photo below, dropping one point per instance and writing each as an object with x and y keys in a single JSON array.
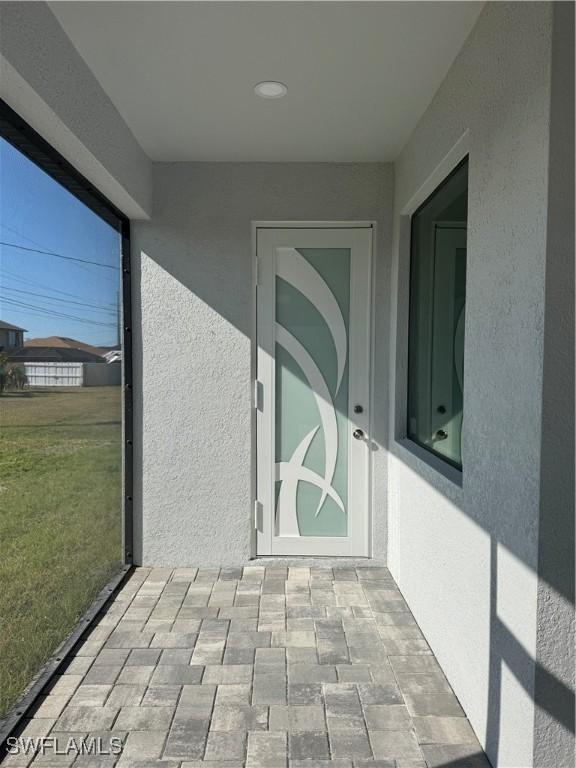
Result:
[{"x": 437, "y": 308}]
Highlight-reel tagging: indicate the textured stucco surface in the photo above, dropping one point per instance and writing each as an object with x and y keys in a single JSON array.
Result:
[
  {"x": 47, "y": 82},
  {"x": 555, "y": 675},
  {"x": 465, "y": 554},
  {"x": 193, "y": 297}
]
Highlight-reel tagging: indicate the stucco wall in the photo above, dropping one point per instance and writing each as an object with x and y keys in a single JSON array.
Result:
[
  {"x": 193, "y": 291},
  {"x": 46, "y": 81},
  {"x": 555, "y": 674},
  {"x": 465, "y": 550}
]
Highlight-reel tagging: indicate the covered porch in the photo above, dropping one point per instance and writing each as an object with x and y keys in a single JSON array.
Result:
[{"x": 336, "y": 482}]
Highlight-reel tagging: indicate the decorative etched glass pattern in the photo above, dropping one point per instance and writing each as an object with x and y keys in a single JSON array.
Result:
[{"x": 312, "y": 320}]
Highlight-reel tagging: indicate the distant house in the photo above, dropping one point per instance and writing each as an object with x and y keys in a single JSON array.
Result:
[
  {"x": 66, "y": 343},
  {"x": 29, "y": 354},
  {"x": 11, "y": 337}
]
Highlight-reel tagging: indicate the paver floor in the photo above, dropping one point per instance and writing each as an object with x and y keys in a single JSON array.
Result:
[{"x": 257, "y": 667}]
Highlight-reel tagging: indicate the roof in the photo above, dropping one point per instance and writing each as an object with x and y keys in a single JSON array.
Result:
[
  {"x": 4, "y": 326},
  {"x": 54, "y": 355},
  {"x": 64, "y": 342}
]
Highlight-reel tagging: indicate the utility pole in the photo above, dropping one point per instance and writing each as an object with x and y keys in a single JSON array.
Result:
[{"x": 119, "y": 318}]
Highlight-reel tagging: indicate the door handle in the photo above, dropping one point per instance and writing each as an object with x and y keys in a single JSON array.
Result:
[
  {"x": 358, "y": 434},
  {"x": 441, "y": 435}
]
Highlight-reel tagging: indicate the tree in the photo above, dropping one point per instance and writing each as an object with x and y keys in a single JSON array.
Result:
[
  {"x": 12, "y": 376},
  {"x": 3, "y": 365}
]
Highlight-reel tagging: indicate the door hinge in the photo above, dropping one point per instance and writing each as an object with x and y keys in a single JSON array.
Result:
[
  {"x": 258, "y": 395},
  {"x": 258, "y": 515}
]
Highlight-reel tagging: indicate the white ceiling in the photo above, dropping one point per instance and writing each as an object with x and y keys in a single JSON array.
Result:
[{"x": 359, "y": 74}]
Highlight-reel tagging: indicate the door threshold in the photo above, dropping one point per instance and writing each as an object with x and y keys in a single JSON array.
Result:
[{"x": 317, "y": 561}]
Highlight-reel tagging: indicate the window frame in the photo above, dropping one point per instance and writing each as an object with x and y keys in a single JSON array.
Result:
[
  {"x": 15, "y": 130},
  {"x": 410, "y": 437}
]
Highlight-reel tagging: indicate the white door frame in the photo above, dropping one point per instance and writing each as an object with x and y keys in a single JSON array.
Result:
[{"x": 359, "y": 543}]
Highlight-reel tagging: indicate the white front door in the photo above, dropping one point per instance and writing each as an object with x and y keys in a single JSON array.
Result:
[{"x": 313, "y": 393}]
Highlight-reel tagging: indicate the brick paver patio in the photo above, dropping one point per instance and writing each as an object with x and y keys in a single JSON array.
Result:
[{"x": 258, "y": 667}]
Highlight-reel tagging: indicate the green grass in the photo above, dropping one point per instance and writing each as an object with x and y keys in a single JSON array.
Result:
[{"x": 60, "y": 519}]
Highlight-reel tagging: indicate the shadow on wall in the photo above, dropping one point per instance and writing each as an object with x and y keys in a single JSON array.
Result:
[
  {"x": 200, "y": 236},
  {"x": 214, "y": 268},
  {"x": 548, "y": 692}
]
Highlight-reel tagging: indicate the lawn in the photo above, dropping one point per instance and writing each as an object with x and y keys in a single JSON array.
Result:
[{"x": 60, "y": 519}]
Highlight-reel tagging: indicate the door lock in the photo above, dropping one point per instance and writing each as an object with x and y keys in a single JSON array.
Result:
[{"x": 358, "y": 434}]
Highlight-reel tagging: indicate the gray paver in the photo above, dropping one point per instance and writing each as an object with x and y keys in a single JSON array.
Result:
[
  {"x": 144, "y": 744},
  {"x": 311, "y": 673},
  {"x": 394, "y": 744},
  {"x": 237, "y": 693},
  {"x": 387, "y": 717},
  {"x": 308, "y": 745},
  {"x": 104, "y": 673},
  {"x": 134, "y": 763},
  {"x": 266, "y": 750},
  {"x": 443, "y": 730},
  {"x": 125, "y": 695},
  {"x": 166, "y": 674},
  {"x": 231, "y": 673},
  {"x": 269, "y": 689},
  {"x": 86, "y": 718},
  {"x": 144, "y": 718},
  {"x": 90, "y": 695},
  {"x": 198, "y": 696},
  {"x": 305, "y": 693},
  {"x": 422, "y": 682},
  {"x": 143, "y": 657},
  {"x": 225, "y": 746},
  {"x": 297, "y": 719},
  {"x": 352, "y": 744},
  {"x": 456, "y": 755},
  {"x": 376, "y": 693},
  {"x": 175, "y": 656},
  {"x": 433, "y": 704},
  {"x": 240, "y": 717},
  {"x": 215, "y": 764},
  {"x": 186, "y": 740},
  {"x": 161, "y": 696},
  {"x": 135, "y": 675},
  {"x": 338, "y": 762},
  {"x": 111, "y": 657}
]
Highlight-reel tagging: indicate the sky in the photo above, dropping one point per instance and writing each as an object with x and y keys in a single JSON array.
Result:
[{"x": 47, "y": 294}]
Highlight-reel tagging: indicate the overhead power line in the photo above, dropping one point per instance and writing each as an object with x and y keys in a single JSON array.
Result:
[
  {"x": 98, "y": 307},
  {"x": 46, "y": 311},
  {"x": 36, "y": 284},
  {"x": 58, "y": 255}
]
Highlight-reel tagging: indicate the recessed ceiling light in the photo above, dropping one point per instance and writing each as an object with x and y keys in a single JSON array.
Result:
[{"x": 269, "y": 89}]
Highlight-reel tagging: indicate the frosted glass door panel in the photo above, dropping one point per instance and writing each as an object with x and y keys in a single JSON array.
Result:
[{"x": 312, "y": 308}]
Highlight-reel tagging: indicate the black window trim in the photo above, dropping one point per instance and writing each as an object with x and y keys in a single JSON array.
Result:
[
  {"x": 409, "y": 436},
  {"x": 15, "y": 130}
]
